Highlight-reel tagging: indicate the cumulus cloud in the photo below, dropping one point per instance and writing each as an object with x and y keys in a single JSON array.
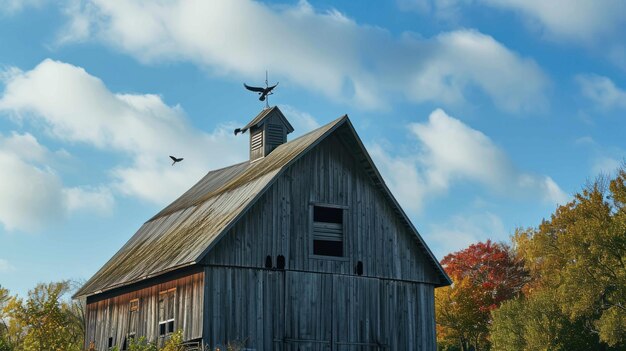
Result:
[
  {"x": 602, "y": 91},
  {"x": 76, "y": 107},
  {"x": 323, "y": 51},
  {"x": 461, "y": 230},
  {"x": 581, "y": 21},
  {"x": 32, "y": 195},
  {"x": 449, "y": 151},
  {"x": 593, "y": 24},
  {"x": 302, "y": 122},
  {"x": 578, "y": 21}
]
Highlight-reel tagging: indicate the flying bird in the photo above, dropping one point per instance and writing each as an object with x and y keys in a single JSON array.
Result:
[
  {"x": 175, "y": 159},
  {"x": 263, "y": 92}
]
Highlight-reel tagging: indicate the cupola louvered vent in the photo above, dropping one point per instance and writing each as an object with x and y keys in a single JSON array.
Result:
[{"x": 268, "y": 131}]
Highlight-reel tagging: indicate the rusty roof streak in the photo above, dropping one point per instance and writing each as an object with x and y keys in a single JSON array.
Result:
[{"x": 186, "y": 229}]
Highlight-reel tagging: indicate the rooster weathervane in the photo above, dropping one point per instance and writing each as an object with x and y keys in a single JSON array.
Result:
[{"x": 264, "y": 93}]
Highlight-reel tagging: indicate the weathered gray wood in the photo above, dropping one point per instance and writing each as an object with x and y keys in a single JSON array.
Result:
[
  {"x": 279, "y": 223},
  {"x": 109, "y": 317},
  {"x": 275, "y": 310}
]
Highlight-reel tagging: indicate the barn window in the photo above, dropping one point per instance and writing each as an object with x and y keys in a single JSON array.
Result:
[
  {"x": 167, "y": 301},
  {"x": 328, "y": 231},
  {"x": 133, "y": 316}
]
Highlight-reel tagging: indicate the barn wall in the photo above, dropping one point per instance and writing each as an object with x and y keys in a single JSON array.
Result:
[
  {"x": 278, "y": 224},
  {"x": 109, "y": 317},
  {"x": 287, "y": 310}
]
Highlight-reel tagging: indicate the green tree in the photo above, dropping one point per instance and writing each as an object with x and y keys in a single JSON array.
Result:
[
  {"x": 4, "y": 324},
  {"x": 579, "y": 255},
  {"x": 11, "y": 331},
  {"x": 47, "y": 321},
  {"x": 537, "y": 323}
]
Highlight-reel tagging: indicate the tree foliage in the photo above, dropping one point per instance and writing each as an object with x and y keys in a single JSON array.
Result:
[
  {"x": 577, "y": 297},
  {"x": 537, "y": 323},
  {"x": 484, "y": 275},
  {"x": 44, "y": 321},
  {"x": 580, "y": 254}
]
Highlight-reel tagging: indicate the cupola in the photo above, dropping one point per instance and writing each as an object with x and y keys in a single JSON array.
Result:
[{"x": 268, "y": 130}]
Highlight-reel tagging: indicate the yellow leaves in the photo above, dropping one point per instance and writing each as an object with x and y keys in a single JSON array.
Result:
[{"x": 612, "y": 326}]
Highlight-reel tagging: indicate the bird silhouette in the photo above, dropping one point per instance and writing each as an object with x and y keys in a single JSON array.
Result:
[
  {"x": 175, "y": 159},
  {"x": 263, "y": 92},
  {"x": 237, "y": 131}
]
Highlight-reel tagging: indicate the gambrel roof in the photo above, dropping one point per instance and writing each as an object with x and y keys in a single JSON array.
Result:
[{"x": 186, "y": 230}]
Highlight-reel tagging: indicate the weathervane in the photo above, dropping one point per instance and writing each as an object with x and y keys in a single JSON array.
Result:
[{"x": 263, "y": 92}]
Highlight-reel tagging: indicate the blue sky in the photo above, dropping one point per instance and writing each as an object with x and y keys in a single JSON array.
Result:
[{"x": 482, "y": 115}]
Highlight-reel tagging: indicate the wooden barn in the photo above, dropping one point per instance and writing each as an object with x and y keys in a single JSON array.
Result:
[{"x": 302, "y": 247}]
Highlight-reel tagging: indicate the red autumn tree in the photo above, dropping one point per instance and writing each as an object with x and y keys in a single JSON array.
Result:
[{"x": 484, "y": 275}]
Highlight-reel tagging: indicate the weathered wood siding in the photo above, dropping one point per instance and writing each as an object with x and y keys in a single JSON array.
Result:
[
  {"x": 109, "y": 317},
  {"x": 244, "y": 305},
  {"x": 287, "y": 310},
  {"x": 279, "y": 223}
]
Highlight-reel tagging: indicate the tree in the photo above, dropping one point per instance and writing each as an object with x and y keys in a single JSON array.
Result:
[
  {"x": 484, "y": 275},
  {"x": 579, "y": 254},
  {"x": 45, "y": 321},
  {"x": 5, "y": 344},
  {"x": 537, "y": 323}
]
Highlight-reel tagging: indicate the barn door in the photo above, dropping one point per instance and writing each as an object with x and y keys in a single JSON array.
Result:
[
  {"x": 356, "y": 314},
  {"x": 308, "y": 312}
]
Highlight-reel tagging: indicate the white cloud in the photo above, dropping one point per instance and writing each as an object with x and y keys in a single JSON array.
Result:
[
  {"x": 597, "y": 25},
  {"x": 580, "y": 21},
  {"x": 5, "y": 266},
  {"x": 76, "y": 107},
  {"x": 577, "y": 21},
  {"x": 32, "y": 195},
  {"x": 605, "y": 165},
  {"x": 602, "y": 91},
  {"x": 302, "y": 122},
  {"x": 13, "y": 6},
  {"x": 462, "y": 230},
  {"x": 323, "y": 51},
  {"x": 449, "y": 151},
  {"x": 78, "y": 26}
]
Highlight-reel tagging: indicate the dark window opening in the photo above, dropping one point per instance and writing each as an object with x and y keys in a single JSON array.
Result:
[
  {"x": 110, "y": 342},
  {"x": 328, "y": 248},
  {"x": 280, "y": 262},
  {"x": 328, "y": 231},
  {"x": 328, "y": 214},
  {"x": 359, "y": 268},
  {"x": 268, "y": 261}
]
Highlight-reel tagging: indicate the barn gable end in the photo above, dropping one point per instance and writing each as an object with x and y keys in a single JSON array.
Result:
[{"x": 279, "y": 223}]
